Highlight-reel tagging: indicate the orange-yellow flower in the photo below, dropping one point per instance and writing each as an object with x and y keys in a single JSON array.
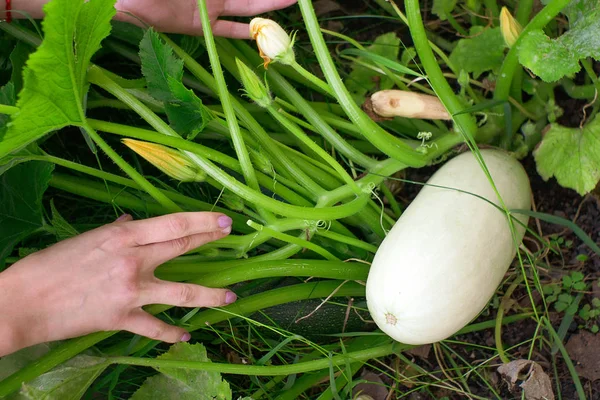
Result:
[
  {"x": 172, "y": 162},
  {"x": 510, "y": 27}
]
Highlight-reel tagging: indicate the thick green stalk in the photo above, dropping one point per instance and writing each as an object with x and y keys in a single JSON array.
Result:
[
  {"x": 465, "y": 122},
  {"x": 225, "y": 98},
  {"x": 259, "y": 370},
  {"x": 245, "y": 306},
  {"x": 312, "y": 79},
  {"x": 280, "y": 188},
  {"x": 297, "y": 132},
  {"x": 348, "y": 240},
  {"x": 299, "y": 241},
  {"x": 283, "y": 88},
  {"x": 8, "y": 110},
  {"x": 384, "y": 141},
  {"x": 253, "y": 196},
  {"x": 276, "y": 155},
  {"x": 385, "y": 168},
  {"x": 511, "y": 61},
  {"x": 129, "y": 170}
]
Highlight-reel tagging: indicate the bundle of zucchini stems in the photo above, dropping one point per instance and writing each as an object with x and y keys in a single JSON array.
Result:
[{"x": 295, "y": 213}]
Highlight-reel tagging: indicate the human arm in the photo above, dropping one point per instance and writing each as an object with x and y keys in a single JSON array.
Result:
[{"x": 101, "y": 279}]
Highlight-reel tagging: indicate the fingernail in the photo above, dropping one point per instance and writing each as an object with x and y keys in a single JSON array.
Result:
[
  {"x": 224, "y": 221},
  {"x": 230, "y": 297},
  {"x": 123, "y": 217},
  {"x": 186, "y": 336},
  {"x": 227, "y": 230}
]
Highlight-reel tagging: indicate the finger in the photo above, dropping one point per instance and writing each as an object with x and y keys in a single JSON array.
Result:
[
  {"x": 144, "y": 324},
  {"x": 230, "y": 29},
  {"x": 158, "y": 253},
  {"x": 250, "y": 8},
  {"x": 175, "y": 226},
  {"x": 186, "y": 295},
  {"x": 124, "y": 218}
]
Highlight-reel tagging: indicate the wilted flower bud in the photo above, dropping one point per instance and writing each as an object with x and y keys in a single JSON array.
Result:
[
  {"x": 172, "y": 162},
  {"x": 401, "y": 103},
  {"x": 274, "y": 44},
  {"x": 511, "y": 29},
  {"x": 260, "y": 161},
  {"x": 255, "y": 88}
]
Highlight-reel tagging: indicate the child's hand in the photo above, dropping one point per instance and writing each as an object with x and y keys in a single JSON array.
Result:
[
  {"x": 99, "y": 281},
  {"x": 181, "y": 16}
]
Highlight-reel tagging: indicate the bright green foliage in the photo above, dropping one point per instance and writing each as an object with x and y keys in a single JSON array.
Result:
[
  {"x": 552, "y": 59},
  {"x": 18, "y": 58},
  {"x": 483, "y": 51},
  {"x": 62, "y": 229},
  {"x": 158, "y": 65},
  {"x": 182, "y": 384},
  {"x": 571, "y": 155},
  {"x": 68, "y": 381},
  {"x": 442, "y": 8},
  {"x": 164, "y": 72},
  {"x": 21, "y": 191},
  {"x": 54, "y": 82},
  {"x": 363, "y": 80}
]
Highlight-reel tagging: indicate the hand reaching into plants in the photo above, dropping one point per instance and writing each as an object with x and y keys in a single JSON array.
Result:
[
  {"x": 177, "y": 16},
  {"x": 99, "y": 281}
]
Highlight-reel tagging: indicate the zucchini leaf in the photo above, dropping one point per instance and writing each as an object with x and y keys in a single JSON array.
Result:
[
  {"x": 68, "y": 381},
  {"x": 21, "y": 191},
  {"x": 482, "y": 51},
  {"x": 54, "y": 80},
  {"x": 552, "y": 59},
  {"x": 183, "y": 384},
  {"x": 164, "y": 73},
  {"x": 571, "y": 155},
  {"x": 442, "y": 8}
]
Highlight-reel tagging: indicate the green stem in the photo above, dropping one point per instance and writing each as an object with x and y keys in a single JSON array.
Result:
[
  {"x": 348, "y": 240},
  {"x": 280, "y": 188},
  {"x": 297, "y": 132},
  {"x": 384, "y": 141},
  {"x": 234, "y": 129},
  {"x": 391, "y": 199},
  {"x": 257, "y": 370},
  {"x": 276, "y": 155},
  {"x": 465, "y": 122},
  {"x": 500, "y": 315},
  {"x": 293, "y": 240},
  {"x": 160, "y": 197},
  {"x": 313, "y": 79},
  {"x": 8, "y": 110},
  {"x": 283, "y": 88}
]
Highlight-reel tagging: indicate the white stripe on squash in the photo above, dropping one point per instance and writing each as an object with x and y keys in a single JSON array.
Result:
[{"x": 445, "y": 257}]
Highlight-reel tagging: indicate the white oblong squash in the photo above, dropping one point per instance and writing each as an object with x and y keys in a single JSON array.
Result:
[{"x": 444, "y": 258}]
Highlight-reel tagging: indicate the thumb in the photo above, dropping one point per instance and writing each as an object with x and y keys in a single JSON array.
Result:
[{"x": 144, "y": 324}]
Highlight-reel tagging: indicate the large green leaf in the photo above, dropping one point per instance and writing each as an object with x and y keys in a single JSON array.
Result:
[
  {"x": 21, "y": 191},
  {"x": 442, "y": 8},
  {"x": 164, "y": 73},
  {"x": 68, "y": 381},
  {"x": 483, "y": 51},
  {"x": 552, "y": 59},
  {"x": 571, "y": 155},
  {"x": 182, "y": 384},
  {"x": 362, "y": 80},
  {"x": 54, "y": 81}
]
